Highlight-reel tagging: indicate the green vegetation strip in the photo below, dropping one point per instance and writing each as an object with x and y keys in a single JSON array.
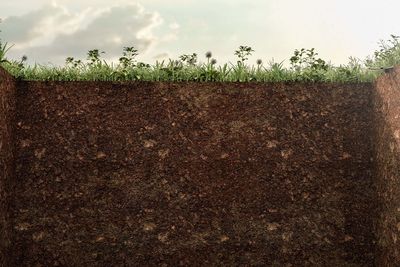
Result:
[{"x": 304, "y": 66}]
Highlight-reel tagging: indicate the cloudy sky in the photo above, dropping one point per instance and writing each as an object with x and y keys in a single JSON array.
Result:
[{"x": 48, "y": 31}]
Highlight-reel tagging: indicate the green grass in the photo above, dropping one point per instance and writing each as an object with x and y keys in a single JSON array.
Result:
[{"x": 305, "y": 66}]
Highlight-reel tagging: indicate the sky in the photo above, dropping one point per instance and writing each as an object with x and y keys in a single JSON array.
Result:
[{"x": 48, "y": 31}]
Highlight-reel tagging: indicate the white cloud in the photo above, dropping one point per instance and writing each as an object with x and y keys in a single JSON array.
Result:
[
  {"x": 53, "y": 33},
  {"x": 38, "y": 25}
]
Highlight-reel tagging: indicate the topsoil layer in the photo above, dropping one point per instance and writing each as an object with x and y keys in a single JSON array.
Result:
[{"x": 189, "y": 174}]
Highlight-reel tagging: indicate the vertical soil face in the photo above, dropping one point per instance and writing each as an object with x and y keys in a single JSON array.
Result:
[
  {"x": 7, "y": 110},
  {"x": 193, "y": 174},
  {"x": 387, "y": 110}
]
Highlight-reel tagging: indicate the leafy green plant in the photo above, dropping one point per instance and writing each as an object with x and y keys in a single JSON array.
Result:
[
  {"x": 307, "y": 66},
  {"x": 242, "y": 53},
  {"x": 191, "y": 60},
  {"x": 388, "y": 54},
  {"x": 306, "y": 59},
  {"x": 350, "y": 72},
  {"x": 240, "y": 70},
  {"x": 93, "y": 57},
  {"x": 72, "y": 62},
  {"x": 128, "y": 57}
]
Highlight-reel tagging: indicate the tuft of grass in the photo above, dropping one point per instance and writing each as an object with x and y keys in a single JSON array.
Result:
[{"x": 4, "y": 48}]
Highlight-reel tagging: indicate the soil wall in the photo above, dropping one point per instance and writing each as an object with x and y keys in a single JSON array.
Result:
[
  {"x": 387, "y": 140},
  {"x": 193, "y": 174},
  {"x": 7, "y": 112}
]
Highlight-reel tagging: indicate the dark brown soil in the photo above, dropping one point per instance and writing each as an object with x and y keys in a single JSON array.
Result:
[
  {"x": 387, "y": 175},
  {"x": 192, "y": 174},
  {"x": 7, "y": 113},
  {"x": 197, "y": 174}
]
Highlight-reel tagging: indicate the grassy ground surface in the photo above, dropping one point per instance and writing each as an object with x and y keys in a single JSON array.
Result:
[{"x": 305, "y": 65}]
